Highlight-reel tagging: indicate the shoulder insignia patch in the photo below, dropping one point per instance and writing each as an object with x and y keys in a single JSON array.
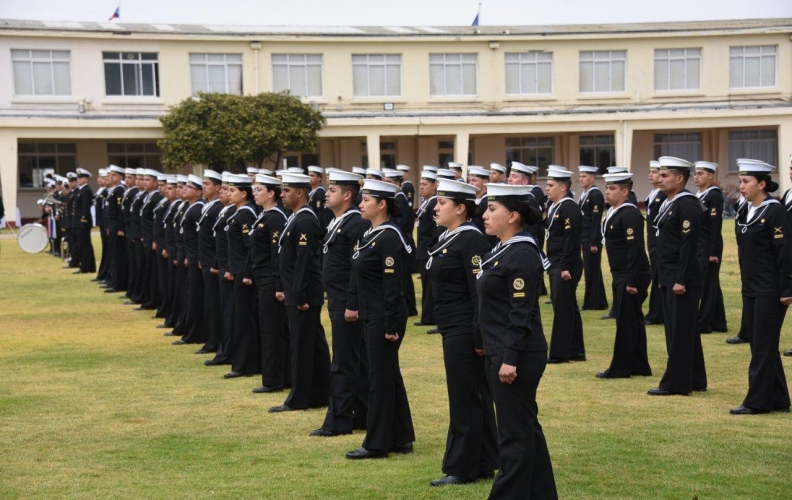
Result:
[
  {"x": 686, "y": 224},
  {"x": 476, "y": 261},
  {"x": 518, "y": 284},
  {"x": 389, "y": 261}
]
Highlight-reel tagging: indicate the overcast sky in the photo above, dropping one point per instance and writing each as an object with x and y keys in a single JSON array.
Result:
[{"x": 393, "y": 12}]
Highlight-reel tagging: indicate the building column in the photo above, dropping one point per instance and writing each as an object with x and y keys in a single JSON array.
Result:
[
  {"x": 784, "y": 150},
  {"x": 9, "y": 175},
  {"x": 623, "y": 144},
  {"x": 461, "y": 149},
  {"x": 373, "y": 150}
]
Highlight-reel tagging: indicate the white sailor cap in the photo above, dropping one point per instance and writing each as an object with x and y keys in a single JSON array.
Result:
[
  {"x": 498, "y": 167},
  {"x": 116, "y": 169},
  {"x": 295, "y": 170},
  {"x": 172, "y": 180},
  {"x": 140, "y": 172},
  {"x": 558, "y": 173},
  {"x": 429, "y": 168},
  {"x": 225, "y": 175},
  {"x": 587, "y": 169},
  {"x": 455, "y": 165},
  {"x": 338, "y": 177},
  {"x": 617, "y": 170},
  {"x": 181, "y": 179},
  {"x": 315, "y": 169},
  {"x": 654, "y": 165},
  {"x": 81, "y": 172},
  {"x": 237, "y": 180},
  {"x": 130, "y": 171},
  {"x": 162, "y": 178},
  {"x": 213, "y": 175},
  {"x": 252, "y": 170},
  {"x": 429, "y": 175},
  {"x": 289, "y": 179},
  {"x": 195, "y": 181},
  {"x": 359, "y": 171},
  {"x": 149, "y": 172},
  {"x": 374, "y": 172},
  {"x": 279, "y": 173},
  {"x": 673, "y": 163},
  {"x": 476, "y": 171},
  {"x": 265, "y": 171},
  {"x": 403, "y": 168},
  {"x": 380, "y": 189},
  {"x": 71, "y": 176},
  {"x": 392, "y": 173},
  {"x": 706, "y": 165},
  {"x": 508, "y": 192},
  {"x": 49, "y": 182},
  {"x": 445, "y": 173},
  {"x": 447, "y": 188},
  {"x": 620, "y": 178},
  {"x": 523, "y": 169},
  {"x": 747, "y": 166},
  {"x": 267, "y": 180},
  {"x": 102, "y": 172}
]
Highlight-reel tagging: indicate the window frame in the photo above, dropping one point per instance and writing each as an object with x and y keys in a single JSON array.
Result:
[
  {"x": 535, "y": 63},
  {"x": 305, "y": 64},
  {"x": 610, "y": 72},
  {"x": 385, "y": 64},
  {"x": 30, "y": 61},
  {"x": 686, "y": 142},
  {"x": 732, "y": 161},
  {"x": 112, "y": 156},
  {"x": 669, "y": 58},
  {"x": 225, "y": 64},
  {"x": 139, "y": 62},
  {"x": 461, "y": 64},
  {"x": 542, "y": 173},
  {"x": 56, "y": 154},
  {"x": 596, "y": 146},
  {"x": 742, "y": 58}
]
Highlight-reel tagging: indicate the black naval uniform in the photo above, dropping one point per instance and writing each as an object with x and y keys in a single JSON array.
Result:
[
  {"x": 741, "y": 210},
  {"x": 478, "y": 219},
  {"x": 316, "y": 200},
  {"x": 511, "y": 329},
  {"x": 225, "y": 353},
  {"x": 679, "y": 225},
  {"x": 85, "y": 221},
  {"x": 540, "y": 203},
  {"x": 563, "y": 251},
  {"x": 471, "y": 444},
  {"x": 406, "y": 223},
  {"x": 427, "y": 233},
  {"x": 171, "y": 236},
  {"x": 300, "y": 271},
  {"x": 247, "y": 359},
  {"x": 766, "y": 270},
  {"x": 409, "y": 191},
  {"x": 273, "y": 323},
  {"x": 134, "y": 246},
  {"x": 74, "y": 227},
  {"x": 592, "y": 206},
  {"x": 103, "y": 272},
  {"x": 161, "y": 212},
  {"x": 182, "y": 283},
  {"x": 195, "y": 328},
  {"x": 349, "y": 380},
  {"x": 712, "y": 312},
  {"x": 653, "y": 202},
  {"x": 630, "y": 268},
  {"x": 206, "y": 256},
  {"x": 376, "y": 280},
  {"x": 151, "y": 293},
  {"x": 116, "y": 244}
]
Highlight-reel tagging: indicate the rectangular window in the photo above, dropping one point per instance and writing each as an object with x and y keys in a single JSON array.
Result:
[
  {"x": 36, "y": 160},
  {"x": 453, "y": 74},
  {"x": 677, "y": 69},
  {"x": 598, "y": 151},
  {"x": 220, "y": 73},
  {"x": 300, "y": 74},
  {"x": 41, "y": 72},
  {"x": 603, "y": 71},
  {"x": 131, "y": 74},
  {"x": 755, "y": 144},
  {"x": 685, "y": 145},
  {"x": 529, "y": 73},
  {"x": 376, "y": 75},
  {"x": 135, "y": 154},
  {"x": 533, "y": 151},
  {"x": 752, "y": 66}
]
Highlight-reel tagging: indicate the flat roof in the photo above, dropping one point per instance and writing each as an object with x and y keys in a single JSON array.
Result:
[{"x": 203, "y": 30}]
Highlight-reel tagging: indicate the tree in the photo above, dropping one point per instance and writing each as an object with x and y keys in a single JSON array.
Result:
[{"x": 219, "y": 128}]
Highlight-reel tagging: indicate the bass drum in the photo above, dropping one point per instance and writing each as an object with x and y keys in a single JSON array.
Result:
[{"x": 32, "y": 238}]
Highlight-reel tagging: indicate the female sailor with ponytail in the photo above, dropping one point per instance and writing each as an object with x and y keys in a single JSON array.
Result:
[{"x": 514, "y": 342}]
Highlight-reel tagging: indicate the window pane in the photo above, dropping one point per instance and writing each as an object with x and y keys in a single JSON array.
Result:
[
  {"x": 586, "y": 56},
  {"x": 376, "y": 80},
  {"x": 62, "y": 78},
  {"x": 358, "y": 59},
  {"x": 148, "y": 79},
  {"x": 359, "y": 80},
  {"x": 194, "y": 58},
  {"x": 111, "y": 55},
  {"x": 20, "y": 54},
  {"x": 315, "y": 80},
  {"x": 216, "y": 58},
  {"x": 42, "y": 78},
  {"x": 198, "y": 78},
  {"x": 661, "y": 75},
  {"x": 601, "y": 77},
  {"x": 235, "y": 79},
  {"x": 217, "y": 81},
  {"x": 586, "y": 77},
  {"x": 376, "y": 59},
  {"x": 314, "y": 58},
  {"x": 41, "y": 54},
  {"x": 735, "y": 72},
  {"x": 278, "y": 58},
  {"x": 435, "y": 58},
  {"x": 280, "y": 79},
  {"x": 297, "y": 80},
  {"x": 394, "y": 80},
  {"x": 617, "y": 76},
  {"x": 135, "y": 147},
  {"x": 469, "y": 79},
  {"x": 393, "y": 58},
  {"x": 512, "y": 79},
  {"x": 751, "y": 71},
  {"x": 436, "y": 75},
  {"x": 234, "y": 58},
  {"x": 453, "y": 79},
  {"x": 60, "y": 55},
  {"x": 752, "y": 50},
  {"x": 528, "y": 78},
  {"x": 693, "y": 73},
  {"x": 23, "y": 82},
  {"x": 677, "y": 74},
  {"x": 130, "y": 79},
  {"x": 768, "y": 72},
  {"x": 152, "y": 56},
  {"x": 130, "y": 56},
  {"x": 545, "y": 78}
]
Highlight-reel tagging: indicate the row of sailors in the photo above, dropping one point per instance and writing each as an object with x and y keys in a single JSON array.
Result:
[{"x": 362, "y": 261}]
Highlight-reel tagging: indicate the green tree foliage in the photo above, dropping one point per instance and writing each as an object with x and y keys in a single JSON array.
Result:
[{"x": 219, "y": 128}]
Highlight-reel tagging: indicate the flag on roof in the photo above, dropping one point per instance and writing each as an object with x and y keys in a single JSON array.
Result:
[
  {"x": 475, "y": 21},
  {"x": 117, "y": 14}
]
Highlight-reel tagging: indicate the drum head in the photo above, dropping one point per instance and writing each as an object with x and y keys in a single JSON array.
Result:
[{"x": 32, "y": 238}]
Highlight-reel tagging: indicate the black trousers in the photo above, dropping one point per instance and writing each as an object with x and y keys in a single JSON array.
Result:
[
  {"x": 685, "y": 370},
  {"x": 274, "y": 341},
  {"x": 746, "y": 331},
  {"x": 389, "y": 420},
  {"x": 472, "y": 442},
  {"x": 118, "y": 250},
  {"x": 427, "y": 299},
  {"x": 349, "y": 377},
  {"x": 212, "y": 313},
  {"x": 164, "y": 283},
  {"x": 140, "y": 290},
  {"x": 87, "y": 256},
  {"x": 408, "y": 287},
  {"x": 655, "y": 314},
  {"x": 712, "y": 313},
  {"x": 767, "y": 385},
  {"x": 225, "y": 354},
  {"x": 195, "y": 331},
  {"x": 182, "y": 295},
  {"x": 525, "y": 468},
  {"x": 132, "y": 268},
  {"x": 153, "y": 292},
  {"x": 173, "y": 291},
  {"x": 629, "y": 348},
  {"x": 567, "y": 336},
  {"x": 594, "y": 298},
  {"x": 75, "y": 247},
  {"x": 310, "y": 359},
  {"x": 247, "y": 352},
  {"x": 104, "y": 262}
]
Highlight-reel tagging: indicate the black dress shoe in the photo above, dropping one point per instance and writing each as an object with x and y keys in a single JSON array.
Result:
[
  {"x": 141, "y": 308},
  {"x": 163, "y": 326},
  {"x": 555, "y": 361},
  {"x": 129, "y": 303},
  {"x": 738, "y": 340},
  {"x": 788, "y": 353},
  {"x": 96, "y": 280},
  {"x": 266, "y": 388},
  {"x": 605, "y": 374},
  {"x": 607, "y": 316},
  {"x": 420, "y": 323},
  {"x": 112, "y": 290},
  {"x": 324, "y": 433},
  {"x": 281, "y": 409},
  {"x": 486, "y": 475},
  {"x": 171, "y": 334},
  {"x": 202, "y": 351},
  {"x": 744, "y": 410},
  {"x": 663, "y": 392},
  {"x": 362, "y": 454},
  {"x": 214, "y": 362},
  {"x": 433, "y": 330},
  {"x": 649, "y": 322},
  {"x": 178, "y": 342},
  {"x": 402, "y": 449},
  {"x": 451, "y": 480},
  {"x": 578, "y": 357},
  {"x": 233, "y": 375}
]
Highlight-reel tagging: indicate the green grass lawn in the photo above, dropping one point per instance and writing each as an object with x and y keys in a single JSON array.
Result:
[{"x": 96, "y": 403}]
